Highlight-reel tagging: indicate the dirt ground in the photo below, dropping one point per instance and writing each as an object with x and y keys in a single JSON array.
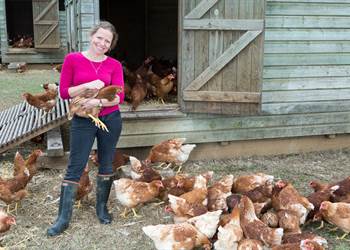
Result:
[{"x": 38, "y": 211}]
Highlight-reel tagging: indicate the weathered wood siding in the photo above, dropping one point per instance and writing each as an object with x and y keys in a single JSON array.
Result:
[
  {"x": 3, "y": 29},
  {"x": 31, "y": 56},
  {"x": 63, "y": 29},
  {"x": 306, "y": 82},
  {"x": 223, "y": 55},
  {"x": 89, "y": 16},
  {"x": 307, "y": 56}
]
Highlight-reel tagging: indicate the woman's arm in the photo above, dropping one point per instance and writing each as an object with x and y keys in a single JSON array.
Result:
[
  {"x": 77, "y": 90},
  {"x": 93, "y": 102}
]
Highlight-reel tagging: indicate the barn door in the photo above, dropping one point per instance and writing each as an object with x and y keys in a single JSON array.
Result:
[
  {"x": 221, "y": 56},
  {"x": 72, "y": 27},
  {"x": 46, "y": 20}
]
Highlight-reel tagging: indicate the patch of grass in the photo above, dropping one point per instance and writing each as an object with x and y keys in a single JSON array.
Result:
[{"x": 13, "y": 84}]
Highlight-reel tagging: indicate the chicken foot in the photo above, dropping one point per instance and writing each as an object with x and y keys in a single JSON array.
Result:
[
  {"x": 179, "y": 169},
  {"x": 45, "y": 114},
  {"x": 9, "y": 210},
  {"x": 135, "y": 214},
  {"x": 333, "y": 229},
  {"x": 166, "y": 167},
  {"x": 343, "y": 236},
  {"x": 321, "y": 225},
  {"x": 99, "y": 123},
  {"x": 125, "y": 213},
  {"x": 78, "y": 204}
]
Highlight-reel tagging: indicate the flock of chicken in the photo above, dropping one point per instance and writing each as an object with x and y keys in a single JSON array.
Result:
[
  {"x": 14, "y": 190},
  {"x": 140, "y": 84},
  {"x": 22, "y": 41},
  {"x": 247, "y": 212},
  {"x": 153, "y": 78}
]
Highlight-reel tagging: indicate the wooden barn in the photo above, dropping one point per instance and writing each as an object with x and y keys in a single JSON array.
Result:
[
  {"x": 253, "y": 75},
  {"x": 43, "y": 23}
]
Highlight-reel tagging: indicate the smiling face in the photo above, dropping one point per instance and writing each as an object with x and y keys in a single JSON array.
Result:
[{"x": 101, "y": 41}]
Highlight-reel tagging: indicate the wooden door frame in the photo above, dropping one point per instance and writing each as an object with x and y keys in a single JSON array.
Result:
[
  {"x": 3, "y": 35},
  {"x": 253, "y": 27}
]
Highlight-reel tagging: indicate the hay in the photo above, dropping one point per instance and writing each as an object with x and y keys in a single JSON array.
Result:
[{"x": 39, "y": 210}]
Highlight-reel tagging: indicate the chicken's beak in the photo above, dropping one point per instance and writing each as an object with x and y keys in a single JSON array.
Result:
[
  {"x": 13, "y": 221},
  {"x": 168, "y": 209}
]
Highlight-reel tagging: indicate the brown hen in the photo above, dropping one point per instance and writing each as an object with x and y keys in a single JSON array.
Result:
[{"x": 75, "y": 106}]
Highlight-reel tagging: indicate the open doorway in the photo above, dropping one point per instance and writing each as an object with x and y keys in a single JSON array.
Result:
[
  {"x": 20, "y": 23},
  {"x": 19, "y": 20},
  {"x": 146, "y": 29}
]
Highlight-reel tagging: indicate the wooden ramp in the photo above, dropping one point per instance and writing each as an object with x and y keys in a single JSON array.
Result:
[{"x": 23, "y": 122}]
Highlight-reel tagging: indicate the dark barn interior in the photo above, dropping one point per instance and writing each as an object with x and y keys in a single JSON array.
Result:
[
  {"x": 19, "y": 18},
  {"x": 147, "y": 47},
  {"x": 19, "y": 21},
  {"x": 145, "y": 28}
]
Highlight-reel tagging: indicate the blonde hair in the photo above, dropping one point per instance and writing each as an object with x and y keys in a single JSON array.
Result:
[{"x": 107, "y": 26}]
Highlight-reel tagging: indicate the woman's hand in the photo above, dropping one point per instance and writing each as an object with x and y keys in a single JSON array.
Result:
[
  {"x": 96, "y": 84},
  {"x": 91, "y": 103}
]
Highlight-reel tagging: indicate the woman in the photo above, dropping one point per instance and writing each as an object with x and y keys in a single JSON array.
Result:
[{"x": 81, "y": 72}]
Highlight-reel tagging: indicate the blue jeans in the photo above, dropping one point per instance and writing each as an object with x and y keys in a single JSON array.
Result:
[{"x": 82, "y": 135}]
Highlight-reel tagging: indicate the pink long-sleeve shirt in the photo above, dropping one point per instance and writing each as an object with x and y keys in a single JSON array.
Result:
[{"x": 77, "y": 69}]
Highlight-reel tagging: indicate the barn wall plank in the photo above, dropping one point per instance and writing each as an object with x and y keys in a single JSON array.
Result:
[
  {"x": 305, "y": 95},
  {"x": 305, "y": 107},
  {"x": 307, "y": 59},
  {"x": 208, "y": 124},
  {"x": 306, "y": 83},
  {"x": 307, "y": 34},
  {"x": 307, "y": 22},
  {"x": 307, "y": 47},
  {"x": 307, "y": 8},
  {"x": 238, "y": 131},
  {"x": 306, "y": 71}
]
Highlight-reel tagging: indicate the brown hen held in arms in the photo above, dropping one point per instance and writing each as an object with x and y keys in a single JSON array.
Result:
[{"x": 75, "y": 107}]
